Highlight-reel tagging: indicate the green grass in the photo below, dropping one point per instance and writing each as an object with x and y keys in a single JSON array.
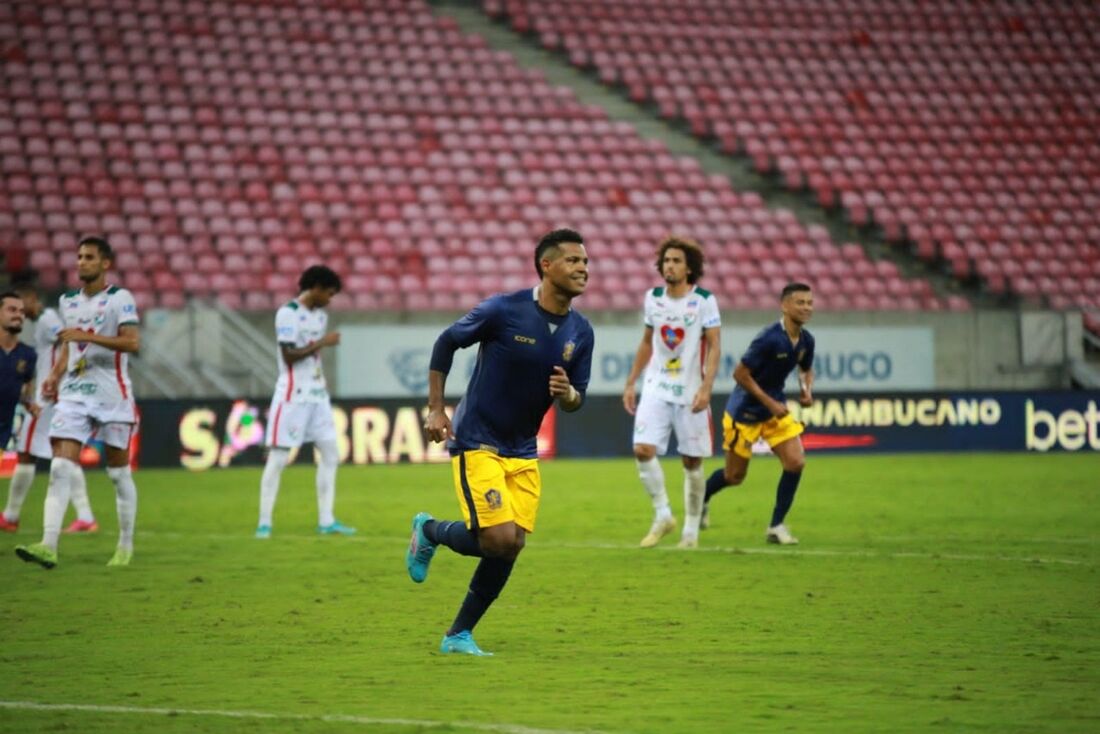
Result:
[{"x": 930, "y": 593}]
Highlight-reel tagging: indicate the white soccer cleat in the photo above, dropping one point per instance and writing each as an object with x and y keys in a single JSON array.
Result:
[
  {"x": 660, "y": 529},
  {"x": 688, "y": 542},
  {"x": 781, "y": 536}
]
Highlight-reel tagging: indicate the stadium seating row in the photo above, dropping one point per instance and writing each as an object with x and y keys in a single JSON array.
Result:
[
  {"x": 223, "y": 146},
  {"x": 968, "y": 131}
]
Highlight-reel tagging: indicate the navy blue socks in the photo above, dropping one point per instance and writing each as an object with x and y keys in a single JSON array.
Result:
[
  {"x": 454, "y": 535},
  {"x": 489, "y": 578},
  {"x": 715, "y": 483},
  {"x": 784, "y": 496}
]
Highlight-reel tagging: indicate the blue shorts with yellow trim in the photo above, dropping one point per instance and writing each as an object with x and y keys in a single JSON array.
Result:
[
  {"x": 741, "y": 436},
  {"x": 493, "y": 490}
]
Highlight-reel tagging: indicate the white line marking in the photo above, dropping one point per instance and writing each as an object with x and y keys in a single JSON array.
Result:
[
  {"x": 328, "y": 718},
  {"x": 734, "y": 550}
]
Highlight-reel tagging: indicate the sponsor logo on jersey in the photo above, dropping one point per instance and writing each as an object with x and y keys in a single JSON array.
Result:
[
  {"x": 524, "y": 339},
  {"x": 567, "y": 352},
  {"x": 672, "y": 337}
]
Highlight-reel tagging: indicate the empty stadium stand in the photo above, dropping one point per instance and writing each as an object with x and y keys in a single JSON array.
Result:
[
  {"x": 223, "y": 146},
  {"x": 968, "y": 130}
]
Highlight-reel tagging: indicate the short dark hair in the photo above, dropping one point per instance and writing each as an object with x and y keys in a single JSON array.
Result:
[
  {"x": 693, "y": 254},
  {"x": 551, "y": 241},
  {"x": 19, "y": 287},
  {"x": 793, "y": 288},
  {"x": 101, "y": 244},
  {"x": 319, "y": 275},
  {"x": 10, "y": 294}
]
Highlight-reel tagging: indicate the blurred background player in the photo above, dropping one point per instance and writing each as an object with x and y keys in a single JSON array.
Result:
[
  {"x": 17, "y": 365},
  {"x": 301, "y": 411},
  {"x": 33, "y": 440},
  {"x": 679, "y": 352},
  {"x": 757, "y": 407},
  {"x": 91, "y": 383},
  {"x": 535, "y": 349}
]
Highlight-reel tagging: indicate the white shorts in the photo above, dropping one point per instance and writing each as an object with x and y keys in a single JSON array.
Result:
[
  {"x": 34, "y": 433},
  {"x": 656, "y": 419},
  {"x": 289, "y": 425},
  {"x": 112, "y": 423}
]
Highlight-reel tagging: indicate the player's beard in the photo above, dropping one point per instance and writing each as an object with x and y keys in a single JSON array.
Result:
[{"x": 14, "y": 329}]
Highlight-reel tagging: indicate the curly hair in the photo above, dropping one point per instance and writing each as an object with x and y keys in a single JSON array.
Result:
[{"x": 693, "y": 253}]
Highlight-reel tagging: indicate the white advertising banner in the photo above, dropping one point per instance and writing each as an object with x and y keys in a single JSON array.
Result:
[{"x": 392, "y": 360}]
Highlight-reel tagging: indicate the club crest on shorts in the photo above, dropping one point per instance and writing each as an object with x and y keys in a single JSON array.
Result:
[
  {"x": 493, "y": 498},
  {"x": 567, "y": 352}
]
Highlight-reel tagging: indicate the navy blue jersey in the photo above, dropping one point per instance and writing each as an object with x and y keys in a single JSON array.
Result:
[
  {"x": 509, "y": 391},
  {"x": 770, "y": 358},
  {"x": 16, "y": 370}
]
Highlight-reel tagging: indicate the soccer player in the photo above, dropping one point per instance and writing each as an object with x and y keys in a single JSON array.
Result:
[
  {"x": 33, "y": 441},
  {"x": 534, "y": 349},
  {"x": 91, "y": 383},
  {"x": 17, "y": 363},
  {"x": 679, "y": 353},
  {"x": 757, "y": 407},
  {"x": 301, "y": 411}
]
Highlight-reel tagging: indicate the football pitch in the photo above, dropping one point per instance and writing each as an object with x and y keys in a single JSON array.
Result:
[{"x": 930, "y": 593}]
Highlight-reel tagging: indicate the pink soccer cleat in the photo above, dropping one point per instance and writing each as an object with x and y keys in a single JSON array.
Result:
[{"x": 82, "y": 526}]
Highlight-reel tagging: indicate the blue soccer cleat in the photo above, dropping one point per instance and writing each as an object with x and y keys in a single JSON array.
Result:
[
  {"x": 462, "y": 642},
  {"x": 263, "y": 532},
  {"x": 421, "y": 550},
  {"x": 336, "y": 528}
]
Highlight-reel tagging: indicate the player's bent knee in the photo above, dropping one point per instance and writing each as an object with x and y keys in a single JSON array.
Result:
[
  {"x": 794, "y": 466},
  {"x": 735, "y": 477},
  {"x": 644, "y": 452}
]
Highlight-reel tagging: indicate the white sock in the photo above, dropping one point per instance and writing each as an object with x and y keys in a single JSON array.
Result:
[
  {"x": 269, "y": 483},
  {"x": 653, "y": 479},
  {"x": 57, "y": 500},
  {"x": 695, "y": 488},
  {"x": 21, "y": 480},
  {"x": 80, "y": 496},
  {"x": 126, "y": 502},
  {"x": 327, "y": 459}
]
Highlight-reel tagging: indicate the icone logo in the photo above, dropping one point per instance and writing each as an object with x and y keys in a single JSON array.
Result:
[{"x": 1069, "y": 430}]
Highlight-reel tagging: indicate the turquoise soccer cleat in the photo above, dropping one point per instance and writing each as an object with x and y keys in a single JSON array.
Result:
[
  {"x": 263, "y": 532},
  {"x": 462, "y": 642},
  {"x": 421, "y": 550},
  {"x": 336, "y": 528},
  {"x": 37, "y": 553}
]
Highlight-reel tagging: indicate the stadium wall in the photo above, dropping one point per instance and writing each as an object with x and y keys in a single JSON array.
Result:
[{"x": 202, "y": 434}]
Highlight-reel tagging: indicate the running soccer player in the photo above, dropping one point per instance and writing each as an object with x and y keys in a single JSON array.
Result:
[
  {"x": 679, "y": 352},
  {"x": 301, "y": 410},
  {"x": 534, "y": 349},
  {"x": 33, "y": 440},
  {"x": 758, "y": 409},
  {"x": 91, "y": 383}
]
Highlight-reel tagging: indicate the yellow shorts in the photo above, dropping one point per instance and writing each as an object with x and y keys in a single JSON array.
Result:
[
  {"x": 493, "y": 490},
  {"x": 741, "y": 436}
]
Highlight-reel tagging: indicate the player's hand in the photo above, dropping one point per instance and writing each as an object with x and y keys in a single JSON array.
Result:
[
  {"x": 559, "y": 383},
  {"x": 778, "y": 409},
  {"x": 49, "y": 389},
  {"x": 805, "y": 398},
  {"x": 630, "y": 401},
  {"x": 33, "y": 408},
  {"x": 73, "y": 335},
  {"x": 438, "y": 425},
  {"x": 330, "y": 339},
  {"x": 701, "y": 401}
]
